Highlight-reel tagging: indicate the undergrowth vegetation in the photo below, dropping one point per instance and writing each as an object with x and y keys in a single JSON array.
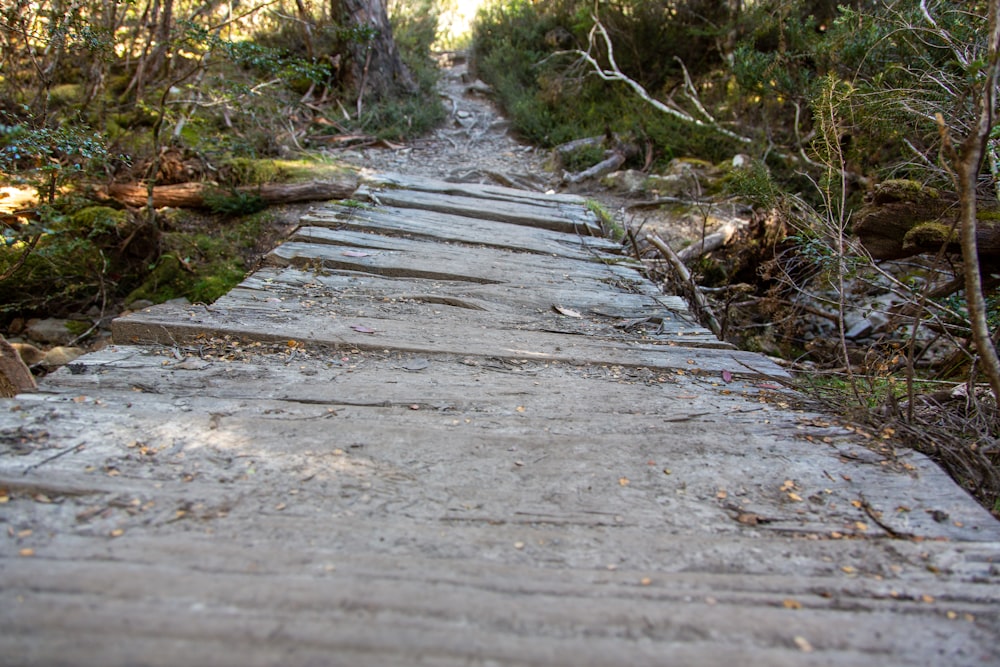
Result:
[
  {"x": 523, "y": 50},
  {"x": 869, "y": 149},
  {"x": 174, "y": 91}
]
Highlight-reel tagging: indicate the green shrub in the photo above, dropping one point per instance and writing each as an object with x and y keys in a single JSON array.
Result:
[
  {"x": 520, "y": 49},
  {"x": 233, "y": 202}
]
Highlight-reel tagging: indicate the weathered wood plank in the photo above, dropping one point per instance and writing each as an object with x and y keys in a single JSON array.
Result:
[
  {"x": 406, "y": 258},
  {"x": 381, "y": 261},
  {"x": 628, "y": 301},
  {"x": 501, "y": 211},
  {"x": 499, "y": 630},
  {"x": 336, "y": 534},
  {"x": 480, "y": 191},
  {"x": 457, "y": 229},
  {"x": 401, "y": 257},
  {"x": 385, "y": 426},
  {"x": 430, "y": 333},
  {"x": 320, "y": 561},
  {"x": 447, "y": 470},
  {"x": 433, "y": 614},
  {"x": 468, "y": 309}
]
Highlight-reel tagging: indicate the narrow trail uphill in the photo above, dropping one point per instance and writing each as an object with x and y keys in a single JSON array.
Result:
[
  {"x": 474, "y": 145},
  {"x": 448, "y": 424}
]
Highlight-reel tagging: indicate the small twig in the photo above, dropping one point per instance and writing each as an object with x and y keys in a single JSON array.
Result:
[
  {"x": 64, "y": 452},
  {"x": 876, "y": 516},
  {"x": 634, "y": 242},
  {"x": 685, "y": 277}
]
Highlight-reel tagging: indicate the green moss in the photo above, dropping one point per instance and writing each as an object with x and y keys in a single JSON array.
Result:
[
  {"x": 901, "y": 189},
  {"x": 78, "y": 327},
  {"x": 930, "y": 234},
  {"x": 989, "y": 216},
  {"x": 164, "y": 282},
  {"x": 239, "y": 171},
  {"x": 208, "y": 288},
  {"x": 354, "y": 203},
  {"x": 316, "y": 168},
  {"x": 95, "y": 220},
  {"x": 693, "y": 163},
  {"x": 905, "y": 185},
  {"x": 250, "y": 171},
  {"x": 213, "y": 253},
  {"x": 139, "y": 117},
  {"x": 608, "y": 222}
]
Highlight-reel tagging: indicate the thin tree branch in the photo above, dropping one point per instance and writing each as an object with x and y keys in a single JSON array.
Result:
[
  {"x": 22, "y": 259},
  {"x": 614, "y": 73}
]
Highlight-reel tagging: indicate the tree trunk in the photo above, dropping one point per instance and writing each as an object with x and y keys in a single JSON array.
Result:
[
  {"x": 374, "y": 68},
  {"x": 143, "y": 29},
  {"x": 904, "y": 218},
  {"x": 305, "y": 25},
  {"x": 159, "y": 60}
]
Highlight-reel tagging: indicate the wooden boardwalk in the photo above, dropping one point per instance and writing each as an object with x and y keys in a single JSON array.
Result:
[{"x": 448, "y": 425}]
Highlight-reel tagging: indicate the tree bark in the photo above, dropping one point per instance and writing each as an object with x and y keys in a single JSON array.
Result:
[
  {"x": 374, "y": 67},
  {"x": 192, "y": 195}
]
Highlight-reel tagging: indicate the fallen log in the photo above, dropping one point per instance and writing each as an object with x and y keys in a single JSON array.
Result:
[
  {"x": 903, "y": 218},
  {"x": 710, "y": 243},
  {"x": 195, "y": 195},
  {"x": 606, "y": 166},
  {"x": 563, "y": 151}
]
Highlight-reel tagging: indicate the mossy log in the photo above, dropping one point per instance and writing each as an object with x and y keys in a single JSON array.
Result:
[
  {"x": 195, "y": 195},
  {"x": 904, "y": 218}
]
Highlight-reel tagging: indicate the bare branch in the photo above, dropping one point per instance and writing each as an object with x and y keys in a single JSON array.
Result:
[{"x": 614, "y": 73}]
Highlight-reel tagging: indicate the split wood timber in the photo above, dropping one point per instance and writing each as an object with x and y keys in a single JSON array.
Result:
[{"x": 450, "y": 435}]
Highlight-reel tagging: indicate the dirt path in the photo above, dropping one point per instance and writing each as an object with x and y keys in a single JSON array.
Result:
[{"x": 474, "y": 145}]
